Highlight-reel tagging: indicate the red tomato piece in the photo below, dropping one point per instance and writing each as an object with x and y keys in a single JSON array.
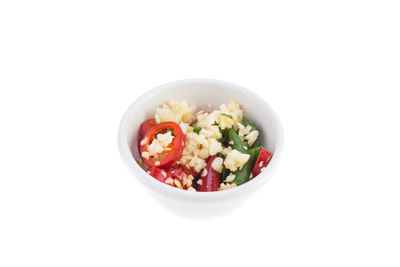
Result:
[
  {"x": 183, "y": 173},
  {"x": 188, "y": 171},
  {"x": 174, "y": 151},
  {"x": 177, "y": 174},
  {"x": 157, "y": 173},
  {"x": 211, "y": 180},
  {"x": 146, "y": 125},
  {"x": 172, "y": 177},
  {"x": 262, "y": 161}
]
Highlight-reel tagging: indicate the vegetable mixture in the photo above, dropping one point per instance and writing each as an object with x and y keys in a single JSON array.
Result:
[{"x": 201, "y": 151}]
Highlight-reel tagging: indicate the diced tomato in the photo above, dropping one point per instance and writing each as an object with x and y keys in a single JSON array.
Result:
[
  {"x": 166, "y": 158},
  {"x": 172, "y": 177},
  {"x": 212, "y": 180},
  {"x": 157, "y": 173},
  {"x": 184, "y": 174},
  {"x": 188, "y": 171},
  {"x": 178, "y": 175},
  {"x": 145, "y": 126},
  {"x": 262, "y": 161}
]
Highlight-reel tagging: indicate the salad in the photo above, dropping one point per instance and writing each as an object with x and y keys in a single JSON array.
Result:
[{"x": 201, "y": 151}]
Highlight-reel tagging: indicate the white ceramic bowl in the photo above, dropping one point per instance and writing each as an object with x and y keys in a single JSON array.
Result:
[{"x": 200, "y": 92}]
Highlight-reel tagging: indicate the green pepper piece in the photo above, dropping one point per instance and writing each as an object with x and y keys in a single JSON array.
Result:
[
  {"x": 242, "y": 175},
  {"x": 196, "y": 128},
  {"x": 224, "y": 137},
  {"x": 225, "y": 172},
  {"x": 256, "y": 143},
  {"x": 254, "y": 153},
  {"x": 246, "y": 122},
  {"x": 238, "y": 144}
]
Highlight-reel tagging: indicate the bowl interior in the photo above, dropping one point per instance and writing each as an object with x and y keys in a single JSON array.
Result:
[{"x": 201, "y": 93}]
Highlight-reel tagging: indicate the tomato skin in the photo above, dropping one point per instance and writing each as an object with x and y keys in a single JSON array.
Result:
[
  {"x": 177, "y": 144},
  {"x": 183, "y": 173},
  {"x": 262, "y": 161},
  {"x": 172, "y": 174},
  {"x": 145, "y": 126},
  {"x": 212, "y": 180},
  {"x": 188, "y": 171},
  {"x": 177, "y": 174},
  {"x": 157, "y": 173}
]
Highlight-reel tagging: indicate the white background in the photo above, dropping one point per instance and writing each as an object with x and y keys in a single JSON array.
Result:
[{"x": 69, "y": 70}]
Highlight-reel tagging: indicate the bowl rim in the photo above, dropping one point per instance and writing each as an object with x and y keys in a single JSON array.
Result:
[{"x": 177, "y": 193}]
